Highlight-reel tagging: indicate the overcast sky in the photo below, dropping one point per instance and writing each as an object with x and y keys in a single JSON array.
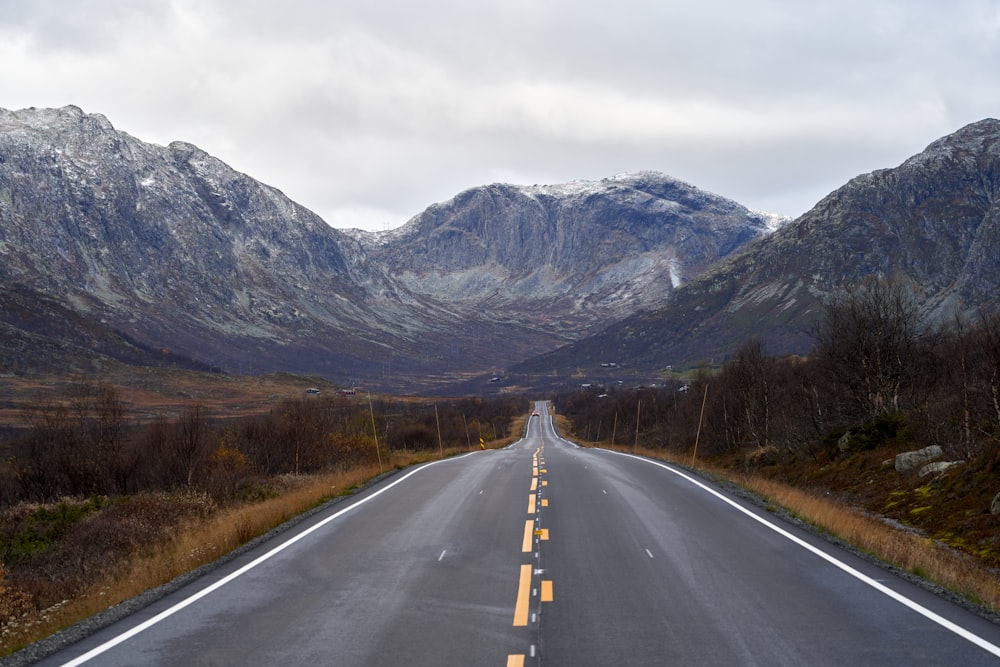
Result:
[{"x": 368, "y": 111}]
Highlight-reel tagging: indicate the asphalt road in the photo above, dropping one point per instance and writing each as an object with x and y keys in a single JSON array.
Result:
[{"x": 544, "y": 553}]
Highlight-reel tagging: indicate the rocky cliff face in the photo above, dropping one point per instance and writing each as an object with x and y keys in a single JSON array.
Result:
[
  {"x": 173, "y": 249},
  {"x": 577, "y": 254},
  {"x": 152, "y": 254},
  {"x": 932, "y": 223}
]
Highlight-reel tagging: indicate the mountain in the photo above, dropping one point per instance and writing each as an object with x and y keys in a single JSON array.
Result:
[
  {"x": 170, "y": 249},
  {"x": 565, "y": 258},
  {"x": 113, "y": 250},
  {"x": 933, "y": 223}
]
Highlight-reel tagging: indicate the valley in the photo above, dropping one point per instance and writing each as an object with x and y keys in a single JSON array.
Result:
[{"x": 165, "y": 315}]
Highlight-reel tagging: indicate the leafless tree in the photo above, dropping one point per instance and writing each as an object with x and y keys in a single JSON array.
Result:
[
  {"x": 989, "y": 342},
  {"x": 189, "y": 446},
  {"x": 101, "y": 425},
  {"x": 869, "y": 342},
  {"x": 749, "y": 376}
]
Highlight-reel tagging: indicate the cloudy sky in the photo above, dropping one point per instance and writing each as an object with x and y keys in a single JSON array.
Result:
[{"x": 368, "y": 111}]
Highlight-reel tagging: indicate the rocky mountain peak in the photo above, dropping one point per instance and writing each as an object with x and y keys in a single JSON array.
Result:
[
  {"x": 931, "y": 224},
  {"x": 974, "y": 137},
  {"x": 572, "y": 252},
  {"x": 166, "y": 244}
]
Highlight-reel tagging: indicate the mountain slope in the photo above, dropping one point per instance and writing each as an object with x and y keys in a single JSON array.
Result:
[
  {"x": 176, "y": 250},
  {"x": 122, "y": 250},
  {"x": 933, "y": 222},
  {"x": 570, "y": 255}
]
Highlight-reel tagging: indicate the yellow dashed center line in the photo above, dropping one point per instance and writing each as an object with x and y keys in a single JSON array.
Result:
[
  {"x": 523, "y": 598},
  {"x": 524, "y": 587},
  {"x": 546, "y": 595},
  {"x": 526, "y": 542}
]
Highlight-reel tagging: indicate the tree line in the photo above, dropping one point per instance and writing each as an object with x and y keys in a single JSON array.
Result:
[
  {"x": 877, "y": 370},
  {"x": 87, "y": 445}
]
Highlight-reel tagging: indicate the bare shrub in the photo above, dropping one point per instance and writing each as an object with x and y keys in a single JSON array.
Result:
[{"x": 869, "y": 342}]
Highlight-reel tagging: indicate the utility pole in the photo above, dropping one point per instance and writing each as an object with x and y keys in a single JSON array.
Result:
[
  {"x": 697, "y": 436},
  {"x": 635, "y": 447},
  {"x": 375, "y": 433},
  {"x": 438, "y": 420}
]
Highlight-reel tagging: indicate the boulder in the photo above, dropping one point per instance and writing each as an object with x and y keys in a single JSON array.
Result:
[
  {"x": 938, "y": 466},
  {"x": 910, "y": 460}
]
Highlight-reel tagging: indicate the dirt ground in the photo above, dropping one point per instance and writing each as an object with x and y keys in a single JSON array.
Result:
[{"x": 150, "y": 393}]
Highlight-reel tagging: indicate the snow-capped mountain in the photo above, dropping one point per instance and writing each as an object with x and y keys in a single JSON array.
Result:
[{"x": 578, "y": 253}]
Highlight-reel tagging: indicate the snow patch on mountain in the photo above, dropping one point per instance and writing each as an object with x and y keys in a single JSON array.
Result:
[
  {"x": 675, "y": 273},
  {"x": 772, "y": 221}
]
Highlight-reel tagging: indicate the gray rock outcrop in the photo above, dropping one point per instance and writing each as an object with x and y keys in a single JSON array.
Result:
[
  {"x": 910, "y": 460},
  {"x": 938, "y": 467}
]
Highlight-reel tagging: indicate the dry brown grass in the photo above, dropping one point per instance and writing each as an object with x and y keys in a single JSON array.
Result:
[
  {"x": 194, "y": 544},
  {"x": 951, "y": 569},
  {"x": 906, "y": 550},
  {"x": 200, "y": 542}
]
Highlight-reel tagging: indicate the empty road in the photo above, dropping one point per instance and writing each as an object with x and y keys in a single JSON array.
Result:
[{"x": 545, "y": 554}]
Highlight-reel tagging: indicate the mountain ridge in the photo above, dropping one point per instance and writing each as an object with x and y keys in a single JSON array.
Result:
[
  {"x": 932, "y": 223},
  {"x": 655, "y": 232},
  {"x": 168, "y": 251},
  {"x": 129, "y": 231}
]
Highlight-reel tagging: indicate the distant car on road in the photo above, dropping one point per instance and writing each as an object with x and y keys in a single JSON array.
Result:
[{"x": 535, "y": 413}]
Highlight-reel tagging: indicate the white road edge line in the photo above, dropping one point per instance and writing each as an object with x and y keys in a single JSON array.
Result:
[
  {"x": 885, "y": 590},
  {"x": 125, "y": 636}
]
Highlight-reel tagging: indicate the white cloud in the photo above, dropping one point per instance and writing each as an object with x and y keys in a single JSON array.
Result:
[{"x": 369, "y": 111}]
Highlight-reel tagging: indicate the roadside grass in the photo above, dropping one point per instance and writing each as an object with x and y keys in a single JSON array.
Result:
[
  {"x": 197, "y": 542},
  {"x": 907, "y": 550},
  {"x": 205, "y": 541},
  {"x": 921, "y": 556}
]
